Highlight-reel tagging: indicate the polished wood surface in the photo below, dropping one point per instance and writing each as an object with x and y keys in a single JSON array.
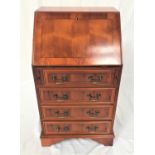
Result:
[
  {"x": 77, "y": 66},
  {"x": 74, "y": 38},
  {"x": 91, "y": 112},
  {"x": 77, "y": 77},
  {"x": 101, "y": 77},
  {"x": 49, "y": 95},
  {"x": 82, "y": 127}
]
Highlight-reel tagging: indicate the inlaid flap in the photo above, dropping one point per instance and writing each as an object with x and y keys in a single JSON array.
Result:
[{"x": 76, "y": 38}]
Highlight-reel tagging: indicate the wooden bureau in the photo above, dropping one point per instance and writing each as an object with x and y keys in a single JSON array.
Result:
[{"x": 77, "y": 64}]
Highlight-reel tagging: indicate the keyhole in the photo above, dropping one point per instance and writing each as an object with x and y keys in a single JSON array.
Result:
[{"x": 77, "y": 18}]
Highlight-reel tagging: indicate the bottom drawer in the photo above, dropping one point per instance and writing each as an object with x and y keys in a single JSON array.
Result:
[{"x": 83, "y": 127}]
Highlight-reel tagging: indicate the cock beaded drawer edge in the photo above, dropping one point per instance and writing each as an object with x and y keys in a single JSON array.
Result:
[{"x": 77, "y": 65}]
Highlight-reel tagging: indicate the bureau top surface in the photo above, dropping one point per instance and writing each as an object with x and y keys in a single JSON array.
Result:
[{"x": 76, "y": 37}]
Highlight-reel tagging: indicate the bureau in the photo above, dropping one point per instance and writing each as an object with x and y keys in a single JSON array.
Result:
[{"x": 77, "y": 65}]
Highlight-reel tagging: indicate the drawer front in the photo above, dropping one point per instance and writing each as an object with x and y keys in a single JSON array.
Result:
[
  {"x": 79, "y": 77},
  {"x": 70, "y": 95},
  {"x": 69, "y": 127},
  {"x": 77, "y": 112}
]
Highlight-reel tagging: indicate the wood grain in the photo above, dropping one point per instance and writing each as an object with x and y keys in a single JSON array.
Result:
[
  {"x": 73, "y": 127},
  {"x": 72, "y": 38},
  {"x": 77, "y": 66},
  {"x": 77, "y": 76},
  {"x": 70, "y": 95},
  {"x": 91, "y": 112}
]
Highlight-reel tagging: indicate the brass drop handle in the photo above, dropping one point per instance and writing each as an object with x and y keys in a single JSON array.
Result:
[
  {"x": 92, "y": 113},
  {"x": 92, "y": 128},
  {"x": 95, "y": 78},
  {"x": 64, "y": 78},
  {"x": 60, "y": 114},
  {"x": 94, "y": 97},
  {"x": 61, "y": 98},
  {"x": 65, "y": 128}
]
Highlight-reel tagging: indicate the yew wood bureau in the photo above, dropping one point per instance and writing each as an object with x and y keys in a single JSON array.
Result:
[{"x": 77, "y": 64}]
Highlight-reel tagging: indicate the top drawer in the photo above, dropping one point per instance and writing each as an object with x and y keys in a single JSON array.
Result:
[{"x": 76, "y": 77}]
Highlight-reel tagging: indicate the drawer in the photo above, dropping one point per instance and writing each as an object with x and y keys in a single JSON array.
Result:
[
  {"x": 77, "y": 77},
  {"x": 83, "y": 127},
  {"x": 104, "y": 112},
  {"x": 72, "y": 95}
]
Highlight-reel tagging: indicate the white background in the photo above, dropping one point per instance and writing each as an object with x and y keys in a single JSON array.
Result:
[
  {"x": 144, "y": 75},
  {"x": 123, "y": 128}
]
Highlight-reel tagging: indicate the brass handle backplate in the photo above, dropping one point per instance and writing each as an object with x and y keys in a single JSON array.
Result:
[
  {"x": 92, "y": 128},
  {"x": 93, "y": 113},
  {"x": 58, "y": 128},
  {"x": 94, "y": 97},
  {"x": 95, "y": 78},
  {"x": 59, "y": 114},
  {"x": 64, "y": 97},
  {"x": 54, "y": 78}
]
